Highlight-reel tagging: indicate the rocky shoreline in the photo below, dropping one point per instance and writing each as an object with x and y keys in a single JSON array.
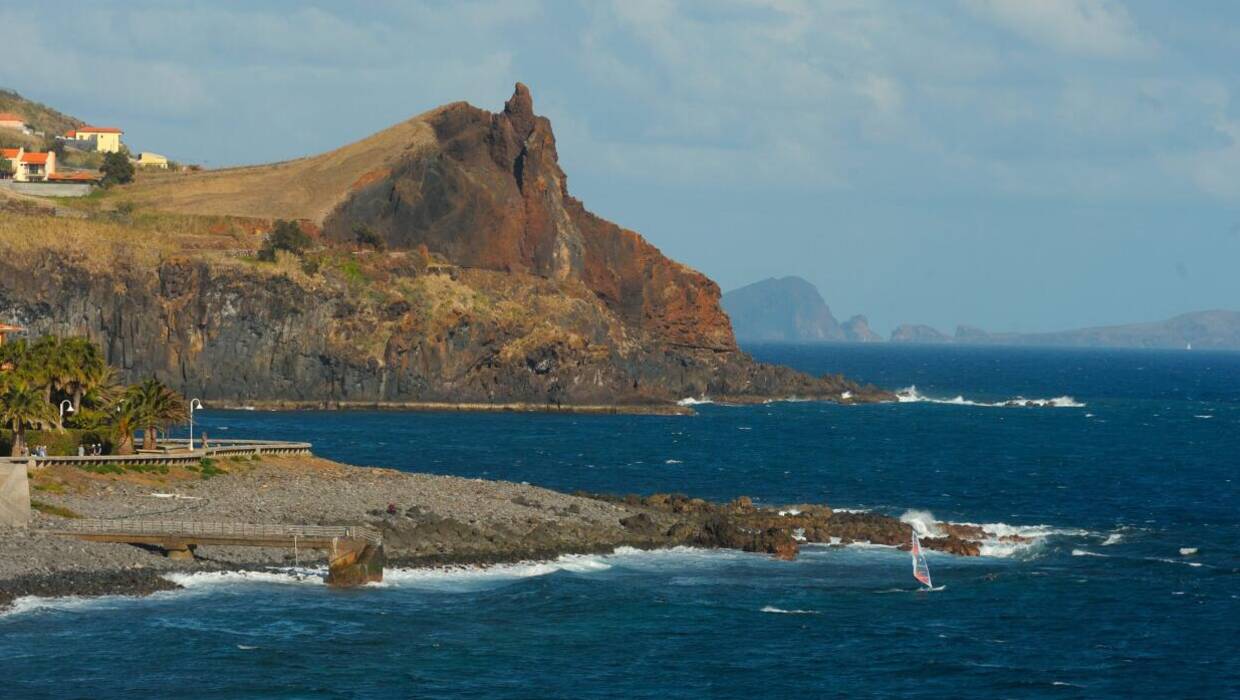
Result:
[{"x": 426, "y": 521}]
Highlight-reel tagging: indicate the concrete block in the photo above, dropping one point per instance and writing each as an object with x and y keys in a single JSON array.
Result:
[{"x": 14, "y": 495}]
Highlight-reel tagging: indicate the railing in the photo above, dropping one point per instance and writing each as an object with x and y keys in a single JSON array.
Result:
[
  {"x": 182, "y": 454},
  {"x": 184, "y": 528}
]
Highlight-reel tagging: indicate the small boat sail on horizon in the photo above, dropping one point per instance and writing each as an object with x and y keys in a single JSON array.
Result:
[{"x": 921, "y": 570}]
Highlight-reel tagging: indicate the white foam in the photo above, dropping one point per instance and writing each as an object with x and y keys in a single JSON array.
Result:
[
  {"x": 672, "y": 461},
  {"x": 780, "y": 611},
  {"x": 790, "y": 511},
  {"x": 1019, "y": 538},
  {"x": 1187, "y": 551},
  {"x": 690, "y": 401},
  {"x": 285, "y": 576},
  {"x": 1086, "y": 553},
  {"x": 435, "y": 577},
  {"x": 923, "y": 523},
  {"x": 1204, "y": 417},
  {"x": 911, "y": 395},
  {"x": 1113, "y": 539},
  {"x": 846, "y": 395},
  {"x": 34, "y": 603}
]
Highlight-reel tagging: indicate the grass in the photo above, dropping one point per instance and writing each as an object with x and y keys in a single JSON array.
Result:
[
  {"x": 208, "y": 468},
  {"x": 49, "y": 509}
]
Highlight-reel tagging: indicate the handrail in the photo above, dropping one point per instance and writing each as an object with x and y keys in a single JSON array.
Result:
[{"x": 191, "y": 528}]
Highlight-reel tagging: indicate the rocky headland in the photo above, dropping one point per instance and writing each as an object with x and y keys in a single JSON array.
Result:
[
  {"x": 447, "y": 264},
  {"x": 425, "y": 520}
]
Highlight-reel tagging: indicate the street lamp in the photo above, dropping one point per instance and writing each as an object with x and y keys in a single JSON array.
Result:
[
  {"x": 193, "y": 403},
  {"x": 65, "y": 405}
]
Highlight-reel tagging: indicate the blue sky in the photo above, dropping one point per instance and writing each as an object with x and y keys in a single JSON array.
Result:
[{"x": 1009, "y": 164}]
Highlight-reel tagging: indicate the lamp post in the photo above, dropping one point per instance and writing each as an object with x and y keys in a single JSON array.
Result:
[
  {"x": 193, "y": 404},
  {"x": 65, "y": 405}
]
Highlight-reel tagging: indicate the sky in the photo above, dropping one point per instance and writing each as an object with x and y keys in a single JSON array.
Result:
[{"x": 1013, "y": 165}]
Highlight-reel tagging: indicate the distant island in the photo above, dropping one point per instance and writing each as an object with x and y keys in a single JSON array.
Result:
[{"x": 791, "y": 309}]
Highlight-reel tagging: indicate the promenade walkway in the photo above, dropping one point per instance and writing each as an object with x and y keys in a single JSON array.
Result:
[{"x": 176, "y": 453}]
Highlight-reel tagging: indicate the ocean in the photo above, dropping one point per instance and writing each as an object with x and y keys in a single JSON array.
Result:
[{"x": 1130, "y": 462}]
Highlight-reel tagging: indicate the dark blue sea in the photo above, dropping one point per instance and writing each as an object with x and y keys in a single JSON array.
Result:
[{"x": 1129, "y": 467}]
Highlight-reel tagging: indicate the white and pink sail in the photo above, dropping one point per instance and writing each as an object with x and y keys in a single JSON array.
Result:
[{"x": 921, "y": 571}]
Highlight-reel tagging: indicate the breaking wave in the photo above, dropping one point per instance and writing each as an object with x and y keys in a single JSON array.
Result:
[
  {"x": 911, "y": 395},
  {"x": 1001, "y": 539},
  {"x": 690, "y": 401}
]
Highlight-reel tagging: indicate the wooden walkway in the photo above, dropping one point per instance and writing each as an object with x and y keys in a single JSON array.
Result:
[{"x": 355, "y": 553}]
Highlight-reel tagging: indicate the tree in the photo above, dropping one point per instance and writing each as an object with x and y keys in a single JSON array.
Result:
[
  {"x": 21, "y": 405},
  {"x": 285, "y": 235},
  {"x": 117, "y": 170},
  {"x": 154, "y": 407},
  {"x": 6, "y": 169},
  {"x": 88, "y": 370},
  {"x": 55, "y": 145},
  {"x": 367, "y": 238}
]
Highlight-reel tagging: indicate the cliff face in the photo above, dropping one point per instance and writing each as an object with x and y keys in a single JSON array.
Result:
[
  {"x": 494, "y": 285},
  {"x": 490, "y": 194},
  {"x": 788, "y": 309}
]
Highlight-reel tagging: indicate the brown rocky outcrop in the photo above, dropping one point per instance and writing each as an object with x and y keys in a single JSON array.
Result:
[
  {"x": 492, "y": 195},
  {"x": 492, "y": 285},
  {"x": 777, "y": 531}
]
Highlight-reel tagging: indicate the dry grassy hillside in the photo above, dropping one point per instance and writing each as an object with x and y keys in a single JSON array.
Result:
[
  {"x": 306, "y": 188},
  {"x": 38, "y": 115}
]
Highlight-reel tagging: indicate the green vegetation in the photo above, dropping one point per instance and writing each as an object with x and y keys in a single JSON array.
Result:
[
  {"x": 6, "y": 168},
  {"x": 58, "y": 511},
  {"x": 285, "y": 235},
  {"x": 45, "y": 381},
  {"x": 367, "y": 238},
  {"x": 39, "y": 116},
  {"x": 117, "y": 170},
  {"x": 208, "y": 468}
]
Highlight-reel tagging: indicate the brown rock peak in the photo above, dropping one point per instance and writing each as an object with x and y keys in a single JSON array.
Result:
[{"x": 520, "y": 111}]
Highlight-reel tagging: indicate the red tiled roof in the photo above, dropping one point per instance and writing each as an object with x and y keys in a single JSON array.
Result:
[
  {"x": 71, "y": 133},
  {"x": 9, "y": 153},
  {"x": 99, "y": 130},
  {"x": 34, "y": 158},
  {"x": 77, "y": 176},
  {"x": 10, "y": 117}
]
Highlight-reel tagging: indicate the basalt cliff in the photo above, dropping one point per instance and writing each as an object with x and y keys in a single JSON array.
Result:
[{"x": 448, "y": 264}]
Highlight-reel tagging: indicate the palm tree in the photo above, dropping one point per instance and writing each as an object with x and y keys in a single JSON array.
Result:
[
  {"x": 155, "y": 407},
  {"x": 89, "y": 371},
  {"x": 22, "y": 404}
]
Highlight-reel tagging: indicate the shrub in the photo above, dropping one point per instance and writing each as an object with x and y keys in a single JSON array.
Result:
[
  {"x": 117, "y": 170},
  {"x": 286, "y": 235},
  {"x": 367, "y": 238}
]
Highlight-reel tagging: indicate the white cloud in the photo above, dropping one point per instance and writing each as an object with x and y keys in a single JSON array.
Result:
[{"x": 1086, "y": 27}]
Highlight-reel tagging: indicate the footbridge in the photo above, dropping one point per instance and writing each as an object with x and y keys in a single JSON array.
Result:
[{"x": 355, "y": 553}]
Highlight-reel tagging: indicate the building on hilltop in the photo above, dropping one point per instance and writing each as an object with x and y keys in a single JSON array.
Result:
[
  {"x": 8, "y": 120},
  {"x": 147, "y": 159},
  {"x": 104, "y": 139}
]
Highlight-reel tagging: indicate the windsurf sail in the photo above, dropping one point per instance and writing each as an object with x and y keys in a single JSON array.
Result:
[{"x": 921, "y": 571}]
